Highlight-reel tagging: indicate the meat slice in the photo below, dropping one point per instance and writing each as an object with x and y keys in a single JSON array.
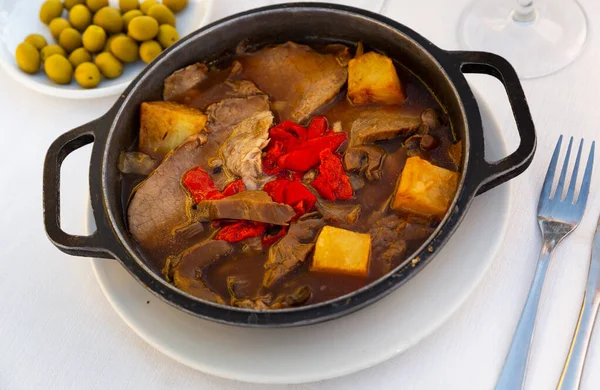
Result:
[
  {"x": 298, "y": 79},
  {"x": 293, "y": 249},
  {"x": 187, "y": 269},
  {"x": 158, "y": 206},
  {"x": 248, "y": 205},
  {"x": 184, "y": 79},
  {"x": 235, "y": 286},
  {"x": 229, "y": 112},
  {"x": 338, "y": 214},
  {"x": 380, "y": 125},
  {"x": 227, "y": 89},
  {"x": 242, "y": 151}
]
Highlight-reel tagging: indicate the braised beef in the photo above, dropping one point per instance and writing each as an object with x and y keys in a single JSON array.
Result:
[
  {"x": 184, "y": 79},
  {"x": 299, "y": 79},
  {"x": 380, "y": 125},
  {"x": 158, "y": 205},
  {"x": 293, "y": 249},
  {"x": 248, "y": 205},
  {"x": 137, "y": 163}
]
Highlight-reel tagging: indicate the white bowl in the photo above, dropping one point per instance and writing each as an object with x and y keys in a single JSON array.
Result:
[{"x": 19, "y": 18}]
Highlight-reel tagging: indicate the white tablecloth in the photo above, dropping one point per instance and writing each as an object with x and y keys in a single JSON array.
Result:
[{"x": 57, "y": 331}]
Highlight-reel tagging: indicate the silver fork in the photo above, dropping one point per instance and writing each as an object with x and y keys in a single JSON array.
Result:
[{"x": 557, "y": 218}]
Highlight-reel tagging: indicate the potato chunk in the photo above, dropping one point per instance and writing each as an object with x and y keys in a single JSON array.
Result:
[
  {"x": 372, "y": 78},
  {"x": 425, "y": 188},
  {"x": 165, "y": 125},
  {"x": 342, "y": 251}
]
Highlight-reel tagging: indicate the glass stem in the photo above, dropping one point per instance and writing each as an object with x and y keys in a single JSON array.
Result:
[{"x": 524, "y": 12}]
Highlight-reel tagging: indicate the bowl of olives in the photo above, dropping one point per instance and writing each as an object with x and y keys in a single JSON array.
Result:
[{"x": 90, "y": 48}]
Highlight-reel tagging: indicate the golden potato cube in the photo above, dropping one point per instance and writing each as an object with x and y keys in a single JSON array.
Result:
[
  {"x": 165, "y": 125},
  {"x": 372, "y": 78},
  {"x": 342, "y": 251},
  {"x": 425, "y": 189}
]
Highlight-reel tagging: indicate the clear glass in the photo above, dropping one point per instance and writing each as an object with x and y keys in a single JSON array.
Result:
[{"x": 538, "y": 37}]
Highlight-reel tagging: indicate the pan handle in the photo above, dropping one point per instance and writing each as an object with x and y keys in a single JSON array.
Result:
[
  {"x": 498, "y": 172},
  {"x": 86, "y": 246}
]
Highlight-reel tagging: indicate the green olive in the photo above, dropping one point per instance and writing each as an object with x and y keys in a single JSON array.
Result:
[
  {"x": 125, "y": 49},
  {"x": 71, "y": 3},
  {"x": 95, "y": 5},
  {"x": 70, "y": 39},
  {"x": 79, "y": 56},
  {"x": 128, "y": 5},
  {"x": 167, "y": 35},
  {"x": 51, "y": 50},
  {"x": 129, "y": 15},
  {"x": 94, "y": 39},
  {"x": 87, "y": 75},
  {"x": 50, "y": 9},
  {"x": 143, "y": 28},
  {"x": 109, "y": 66},
  {"x": 162, "y": 14},
  {"x": 38, "y": 41},
  {"x": 109, "y": 41},
  {"x": 175, "y": 5},
  {"x": 80, "y": 17},
  {"x": 109, "y": 19},
  {"x": 57, "y": 25},
  {"x": 146, "y": 4},
  {"x": 58, "y": 69},
  {"x": 149, "y": 50},
  {"x": 28, "y": 58}
]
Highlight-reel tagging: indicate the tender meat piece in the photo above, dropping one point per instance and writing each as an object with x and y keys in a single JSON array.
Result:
[
  {"x": 137, "y": 163},
  {"x": 293, "y": 249},
  {"x": 365, "y": 159},
  {"x": 248, "y": 205},
  {"x": 298, "y": 79},
  {"x": 379, "y": 125},
  {"x": 229, "y": 112},
  {"x": 338, "y": 213},
  {"x": 158, "y": 206},
  {"x": 242, "y": 151},
  {"x": 239, "y": 295},
  {"x": 431, "y": 119},
  {"x": 387, "y": 239},
  {"x": 184, "y": 79},
  {"x": 204, "y": 97},
  {"x": 187, "y": 269},
  {"x": 237, "y": 287},
  {"x": 296, "y": 298}
]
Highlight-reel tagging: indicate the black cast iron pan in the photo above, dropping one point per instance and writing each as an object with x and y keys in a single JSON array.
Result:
[{"x": 442, "y": 71}]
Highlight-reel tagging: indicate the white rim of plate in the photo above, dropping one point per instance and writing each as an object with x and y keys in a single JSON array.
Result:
[
  {"x": 303, "y": 377},
  {"x": 57, "y": 91}
]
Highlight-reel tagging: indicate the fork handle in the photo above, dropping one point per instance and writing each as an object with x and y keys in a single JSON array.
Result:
[
  {"x": 571, "y": 375},
  {"x": 512, "y": 376}
]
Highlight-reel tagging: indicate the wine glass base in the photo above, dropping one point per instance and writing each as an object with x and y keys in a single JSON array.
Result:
[{"x": 548, "y": 43}]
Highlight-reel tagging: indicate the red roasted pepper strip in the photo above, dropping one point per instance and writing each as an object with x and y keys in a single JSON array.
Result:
[
  {"x": 233, "y": 188},
  {"x": 240, "y": 231},
  {"x": 200, "y": 185},
  {"x": 299, "y": 197},
  {"x": 332, "y": 181},
  {"x": 306, "y": 156},
  {"x": 317, "y": 127},
  {"x": 292, "y": 193}
]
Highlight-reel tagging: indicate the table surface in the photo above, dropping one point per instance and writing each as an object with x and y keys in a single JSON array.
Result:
[{"x": 58, "y": 331}]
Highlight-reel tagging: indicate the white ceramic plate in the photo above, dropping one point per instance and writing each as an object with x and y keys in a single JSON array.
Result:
[
  {"x": 338, "y": 347},
  {"x": 19, "y": 18}
]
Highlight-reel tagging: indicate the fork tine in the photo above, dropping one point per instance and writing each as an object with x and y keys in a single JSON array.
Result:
[
  {"x": 571, "y": 193},
  {"x": 547, "y": 188},
  {"x": 587, "y": 177},
  {"x": 563, "y": 173}
]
